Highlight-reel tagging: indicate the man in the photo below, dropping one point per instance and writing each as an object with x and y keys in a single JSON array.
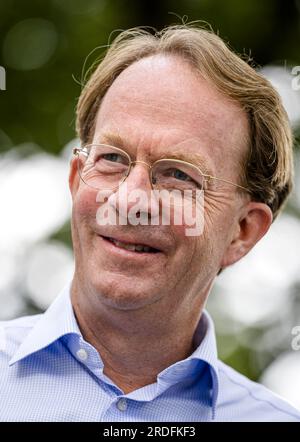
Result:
[{"x": 129, "y": 339}]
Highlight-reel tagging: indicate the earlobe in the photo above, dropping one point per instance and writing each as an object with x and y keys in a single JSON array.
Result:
[
  {"x": 253, "y": 225},
  {"x": 73, "y": 177}
]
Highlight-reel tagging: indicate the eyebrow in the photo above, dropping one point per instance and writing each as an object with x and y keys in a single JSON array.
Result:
[{"x": 195, "y": 158}]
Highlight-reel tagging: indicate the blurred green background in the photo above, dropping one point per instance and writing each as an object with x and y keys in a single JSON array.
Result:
[{"x": 43, "y": 48}]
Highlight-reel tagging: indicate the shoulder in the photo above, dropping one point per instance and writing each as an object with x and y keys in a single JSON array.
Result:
[
  {"x": 23, "y": 322},
  {"x": 251, "y": 400},
  {"x": 12, "y": 334},
  {"x": 14, "y": 325}
]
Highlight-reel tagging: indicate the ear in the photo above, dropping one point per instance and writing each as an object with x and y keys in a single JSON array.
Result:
[
  {"x": 252, "y": 225},
  {"x": 74, "y": 179}
]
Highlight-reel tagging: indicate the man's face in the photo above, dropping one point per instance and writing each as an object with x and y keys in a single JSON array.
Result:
[{"x": 156, "y": 105}]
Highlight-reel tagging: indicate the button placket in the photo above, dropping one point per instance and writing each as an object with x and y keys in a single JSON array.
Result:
[
  {"x": 122, "y": 404},
  {"x": 82, "y": 354}
]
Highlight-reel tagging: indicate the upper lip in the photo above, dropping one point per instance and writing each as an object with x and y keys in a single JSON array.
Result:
[{"x": 155, "y": 244}]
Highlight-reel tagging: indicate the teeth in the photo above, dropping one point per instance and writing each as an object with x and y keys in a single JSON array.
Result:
[
  {"x": 139, "y": 248},
  {"x": 132, "y": 247},
  {"x": 123, "y": 245}
]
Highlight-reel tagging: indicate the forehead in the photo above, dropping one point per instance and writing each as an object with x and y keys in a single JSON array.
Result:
[{"x": 162, "y": 101}]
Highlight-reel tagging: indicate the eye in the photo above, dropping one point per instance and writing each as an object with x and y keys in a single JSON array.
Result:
[
  {"x": 113, "y": 157},
  {"x": 180, "y": 175},
  {"x": 173, "y": 175}
]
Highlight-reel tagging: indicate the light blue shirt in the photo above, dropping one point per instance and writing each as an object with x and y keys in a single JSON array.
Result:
[{"x": 50, "y": 373}]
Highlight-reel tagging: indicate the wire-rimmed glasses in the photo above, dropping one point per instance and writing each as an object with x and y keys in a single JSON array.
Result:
[{"x": 102, "y": 166}]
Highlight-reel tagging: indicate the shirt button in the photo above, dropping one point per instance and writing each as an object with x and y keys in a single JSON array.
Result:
[
  {"x": 122, "y": 404},
  {"x": 82, "y": 354}
]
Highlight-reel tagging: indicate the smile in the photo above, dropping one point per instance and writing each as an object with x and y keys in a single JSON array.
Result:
[{"x": 138, "y": 248}]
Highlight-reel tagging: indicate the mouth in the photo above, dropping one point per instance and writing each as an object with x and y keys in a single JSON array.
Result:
[{"x": 132, "y": 247}]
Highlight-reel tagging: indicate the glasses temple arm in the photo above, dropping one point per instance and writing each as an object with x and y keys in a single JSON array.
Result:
[
  {"x": 78, "y": 150},
  {"x": 210, "y": 177}
]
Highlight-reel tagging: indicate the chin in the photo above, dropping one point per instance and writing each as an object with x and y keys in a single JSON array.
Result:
[{"x": 123, "y": 293}]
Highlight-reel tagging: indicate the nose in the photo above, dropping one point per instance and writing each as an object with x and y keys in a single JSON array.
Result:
[
  {"x": 139, "y": 176},
  {"x": 134, "y": 197}
]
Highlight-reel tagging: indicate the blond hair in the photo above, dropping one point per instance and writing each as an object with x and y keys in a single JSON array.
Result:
[{"x": 268, "y": 167}]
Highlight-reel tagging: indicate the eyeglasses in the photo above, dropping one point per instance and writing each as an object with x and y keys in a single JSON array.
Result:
[{"x": 102, "y": 166}]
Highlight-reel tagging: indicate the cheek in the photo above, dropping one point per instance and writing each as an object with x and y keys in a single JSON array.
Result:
[
  {"x": 85, "y": 205},
  {"x": 204, "y": 239},
  {"x": 219, "y": 215},
  {"x": 84, "y": 220},
  {"x": 220, "y": 219},
  {"x": 197, "y": 259},
  {"x": 190, "y": 248}
]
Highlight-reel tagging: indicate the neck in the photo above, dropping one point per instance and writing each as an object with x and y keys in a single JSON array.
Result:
[{"x": 136, "y": 345}]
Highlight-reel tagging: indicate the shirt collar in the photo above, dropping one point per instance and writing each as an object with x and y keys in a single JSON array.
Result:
[
  {"x": 58, "y": 320},
  {"x": 205, "y": 351}
]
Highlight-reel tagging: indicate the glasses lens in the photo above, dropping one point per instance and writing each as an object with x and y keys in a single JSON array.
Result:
[
  {"x": 183, "y": 181},
  {"x": 104, "y": 168},
  {"x": 169, "y": 174}
]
